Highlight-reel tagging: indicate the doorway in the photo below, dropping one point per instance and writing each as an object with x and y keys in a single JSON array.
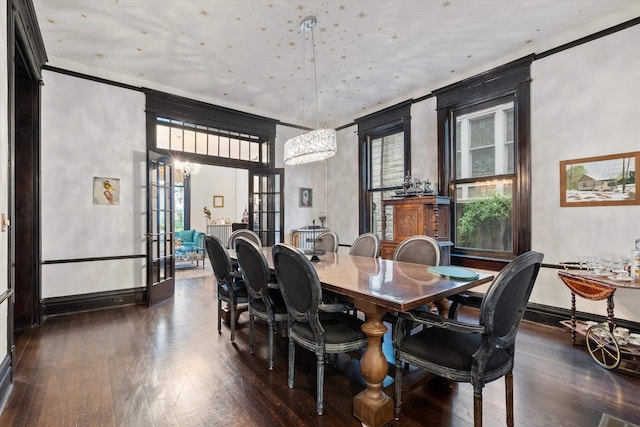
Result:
[{"x": 26, "y": 58}]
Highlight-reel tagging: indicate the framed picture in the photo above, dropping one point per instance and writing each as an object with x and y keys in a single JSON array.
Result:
[
  {"x": 306, "y": 197},
  {"x": 106, "y": 191},
  {"x": 600, "y": 181},
  {"x": 218, "y": 201}
]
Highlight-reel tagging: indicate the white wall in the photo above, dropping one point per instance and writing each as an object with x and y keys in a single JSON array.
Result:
[
  {"x": 584, "y": 104},
  {"x": 232, "y": 184},
  {"x": 91, "y": 129},
  {"x": 312, "y": 175},
  {"x": 4, "y": 168}
]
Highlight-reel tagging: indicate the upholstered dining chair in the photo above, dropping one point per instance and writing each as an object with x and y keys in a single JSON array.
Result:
[
  {"x": 327, "y": 242},
  {"x": 249, "y": 234},
  {"x": 265, "y": 301},
  {"x": 418, "y": 249},
  {"x": 230, "y": 287},
  {"x": 312, "y": 325},
  {"x": 471, "y": 353},
  {"x": 366, "y": 244},
  {"x": 421, "y": 249}
]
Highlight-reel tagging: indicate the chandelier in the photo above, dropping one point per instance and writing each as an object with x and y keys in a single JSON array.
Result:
[
  {"x": 317, "y": 144},
  {"x": 187, "y": 167}
]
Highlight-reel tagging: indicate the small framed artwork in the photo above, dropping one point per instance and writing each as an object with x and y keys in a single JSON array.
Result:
[
  {"x": 106, "y": 191},
  {"x": 306, "y": 197},
  {"x": 218, "y": 201},
  {"x": 600, "y": 181}
]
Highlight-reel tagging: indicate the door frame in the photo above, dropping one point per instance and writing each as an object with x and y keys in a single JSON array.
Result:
[{"x": 161, "y": 266}]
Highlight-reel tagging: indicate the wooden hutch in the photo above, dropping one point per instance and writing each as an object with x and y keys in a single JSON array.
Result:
[{"x": 404, "y": 217}]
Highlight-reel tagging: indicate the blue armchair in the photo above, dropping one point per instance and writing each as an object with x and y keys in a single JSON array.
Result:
[{"x": 190, "y": 238}]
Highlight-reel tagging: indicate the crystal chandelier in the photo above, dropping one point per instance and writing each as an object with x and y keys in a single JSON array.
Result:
[
  {"x": 317, "y": 144},
  {"x": 188, "y": 168}
]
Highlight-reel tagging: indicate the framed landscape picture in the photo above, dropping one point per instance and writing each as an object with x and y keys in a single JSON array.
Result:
[{"x": 600, "y": 181}]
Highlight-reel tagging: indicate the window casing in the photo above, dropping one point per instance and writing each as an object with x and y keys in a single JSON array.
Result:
[
  {"x": 484, "y": 164},
  {"x": 385, "y": 157}
]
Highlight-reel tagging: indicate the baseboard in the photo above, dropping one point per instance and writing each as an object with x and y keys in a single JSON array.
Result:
[
  {"x": 6, "y": 385},
  {"x": 93, "y": 301},
  {"x": 551, "y": 316}
]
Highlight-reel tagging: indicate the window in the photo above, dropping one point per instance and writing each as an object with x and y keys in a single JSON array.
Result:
[
  {"x": 179, "y": 216},
  {"x": 385, "y": 146},
  {"x": 185, "y": 137},
  {"x": 387, "y": 172},
  {"x": 483, "y": 135}
]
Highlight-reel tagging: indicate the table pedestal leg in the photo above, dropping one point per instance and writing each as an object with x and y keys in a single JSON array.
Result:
[{"x": 372, "y": 406}]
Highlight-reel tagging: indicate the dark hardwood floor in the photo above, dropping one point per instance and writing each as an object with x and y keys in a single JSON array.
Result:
[{"x": 168, "y": 366}]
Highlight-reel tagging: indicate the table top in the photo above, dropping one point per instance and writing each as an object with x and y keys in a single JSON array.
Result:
[{"x": 399, "y": 286}]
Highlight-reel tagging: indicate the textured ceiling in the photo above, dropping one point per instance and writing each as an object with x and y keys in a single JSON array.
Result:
[{"x": 248, "y": 54}]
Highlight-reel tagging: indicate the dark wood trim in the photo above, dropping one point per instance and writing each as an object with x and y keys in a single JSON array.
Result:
[
  {"x": 92, "y": 259},
  {"x": 6, "y": 379},
  {"x": 201, "y": 113},
  {"x": 510, "y": 80},
  {"x": 396, "y": 118},
  {"x": 550, "y": 315},
  {"x": 589, "y": 38},
  {"x": 94, "y": 301},
  {"x": 24, "y": 29},
  {"x": 91, "y": 78}
]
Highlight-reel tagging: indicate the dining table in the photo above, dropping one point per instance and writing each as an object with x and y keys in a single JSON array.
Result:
[{"x": 377, "y": 286}]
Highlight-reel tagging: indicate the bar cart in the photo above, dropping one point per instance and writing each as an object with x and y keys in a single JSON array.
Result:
[{"x": 605, "y": 349}]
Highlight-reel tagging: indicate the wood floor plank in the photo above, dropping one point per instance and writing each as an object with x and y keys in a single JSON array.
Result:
[{"x": 168, "y": 366}]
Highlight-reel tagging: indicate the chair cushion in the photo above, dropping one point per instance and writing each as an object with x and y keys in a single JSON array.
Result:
[
  {"x": 339, "y": 328},
  {"x": 451, "y": 349},
  {"x": 239, "y": 289}
]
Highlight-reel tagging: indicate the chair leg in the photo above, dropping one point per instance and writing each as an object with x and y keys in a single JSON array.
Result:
[
  {"x": 398, "y": 387},
  {"x": 272, "y": 328},
  {"x": 219, "y": 315},
  {"x": 508, "y": 385},
  {"x": 477, "y": 408},
  {"x": 252, "y": 320},
  {"x": 232, "y": 307},
  {"x": 292, "y": 357},
  {"x": 319, "y": 382}
]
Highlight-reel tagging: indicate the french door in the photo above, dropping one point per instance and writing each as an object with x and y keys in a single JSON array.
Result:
[
  {"x": 266, "y": 202},
  {"x": 160, "y": 258}
]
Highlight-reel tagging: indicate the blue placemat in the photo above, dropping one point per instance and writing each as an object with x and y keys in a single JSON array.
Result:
[{"x": 453, "y": 272}]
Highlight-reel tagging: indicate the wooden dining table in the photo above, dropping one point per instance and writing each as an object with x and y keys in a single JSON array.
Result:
[{"x": 377, "y": 286}]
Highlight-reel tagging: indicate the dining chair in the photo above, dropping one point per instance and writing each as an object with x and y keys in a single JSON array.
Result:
[
  {"x": 327, "y": 242},
  {"x": 473, "y": 353},
  {"x": 249, "y": 234},
  {"x": 320, "y": 328},
  {"x": 366, "y": 244},
  {"x": 230, "y": 287},
  {"x": 265, "y": 300},
  {"x": 421, "y": 249}
]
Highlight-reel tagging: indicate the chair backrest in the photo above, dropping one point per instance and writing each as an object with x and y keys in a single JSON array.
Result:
[
  {"x": 299, "y": 284},
  {"x": 418, "y": 249},
  {"x": 366, "y": 244},
  {"x": 254, "y": 267},
  {"x": 506, "y": 300},
  {"x": 327, "y": 241},
  {"x": 219, "y": 258},
  {"x": 249, "y": 234}
]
